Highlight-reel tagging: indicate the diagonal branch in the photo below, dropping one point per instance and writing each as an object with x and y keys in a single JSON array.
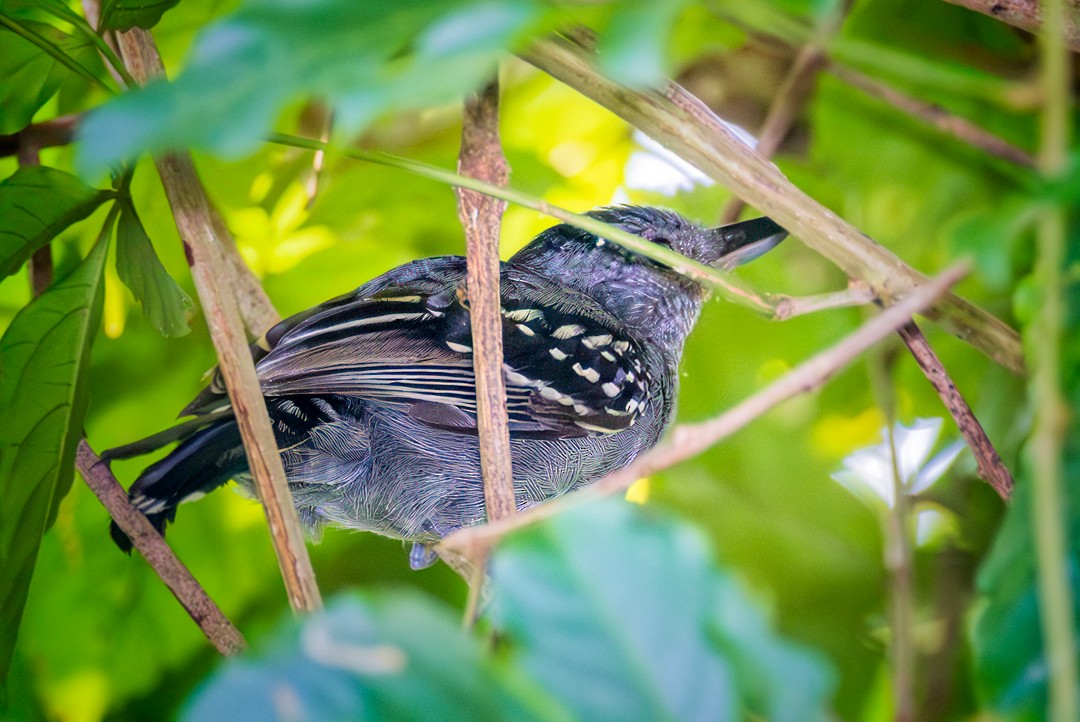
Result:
[
  {"x": 992, "y": 471},
  {"x": 213, "y": 623},
  {"x": 688, "y": 440},
  {"x": 959, "y": 128},
  {"x": 206, "y": 257},
  {"x": 686, "y": 127}
]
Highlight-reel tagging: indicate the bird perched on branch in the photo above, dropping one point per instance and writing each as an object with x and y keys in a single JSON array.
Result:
[{"x": 372, "y": 397}]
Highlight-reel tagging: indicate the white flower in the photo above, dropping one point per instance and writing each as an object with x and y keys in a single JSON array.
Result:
[
  {"x": 655, "y": 168},
  {"x": 868, "y": 472}
]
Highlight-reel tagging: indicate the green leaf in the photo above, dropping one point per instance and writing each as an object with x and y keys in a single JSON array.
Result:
[
  {"x": 374, "y": 656},
  {"x": 44, "y": 358},
  {"x": 363, "y": 58},
  {"x": 29, "y": 76},
  {"x": 127, "y": 14},
  {"x": 620, "y": 614},
  {"x": 39, "y": 57},
  {"x": 163, "y": 301},
  {"x": 36, "y": 204}
]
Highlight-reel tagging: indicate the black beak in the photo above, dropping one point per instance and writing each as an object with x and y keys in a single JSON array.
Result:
[{"x": 744, "y": 241}]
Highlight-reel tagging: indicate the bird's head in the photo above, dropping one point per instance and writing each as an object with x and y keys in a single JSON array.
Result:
[{"x": 653, "y": 300}]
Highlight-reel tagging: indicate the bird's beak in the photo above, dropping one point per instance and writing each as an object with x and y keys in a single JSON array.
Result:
[{"x": 742, "y": 242}]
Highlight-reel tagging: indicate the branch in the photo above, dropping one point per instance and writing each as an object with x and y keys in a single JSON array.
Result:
[
  {"x": 688, "y": 440},
  {"x": 151, "y": 545},
  {"x": 213, "y": 282},
  {"x": 1027, "y": 15},
  {"x": 992, "y": 471},
  {"x": 686, "y": 127},
  {"x": 482, "y": 157},
  {"x": 47, "y": 134},
  {"x": 959, "y": 128}
]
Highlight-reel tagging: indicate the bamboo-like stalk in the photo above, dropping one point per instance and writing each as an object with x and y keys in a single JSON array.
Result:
[
  {"x": 1048, "y": 509},
  {"x": 481, "y": 156},
  {"x": 209, "y": 268}
]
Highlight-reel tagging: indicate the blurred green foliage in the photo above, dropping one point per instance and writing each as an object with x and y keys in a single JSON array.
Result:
[{"x": 102, "y": 639}]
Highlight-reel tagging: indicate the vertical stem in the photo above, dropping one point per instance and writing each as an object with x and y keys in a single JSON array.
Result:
[
  {"x": 899, "y": 562},
  {"x": 1048, "y": 508},
  {"x": 898, "y": 555},
  {"x": 481, "y": 157}
]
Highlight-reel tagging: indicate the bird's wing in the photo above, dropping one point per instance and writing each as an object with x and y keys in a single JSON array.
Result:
[{"x": 407, "y": 342}]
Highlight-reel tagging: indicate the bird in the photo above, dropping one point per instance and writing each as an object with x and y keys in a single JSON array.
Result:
[{"x": 372, "y": 400}]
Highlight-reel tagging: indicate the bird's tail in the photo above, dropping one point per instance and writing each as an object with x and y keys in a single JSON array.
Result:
[{"x": 202, "y": 462}]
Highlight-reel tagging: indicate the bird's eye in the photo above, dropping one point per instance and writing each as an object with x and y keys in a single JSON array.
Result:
[{"x": 662, "y": 241}]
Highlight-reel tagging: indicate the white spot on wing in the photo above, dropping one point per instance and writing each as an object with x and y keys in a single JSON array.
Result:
[
  {"x": 459, "y": 347},
  {"x": 568, "y": 331},
  {"x": 550, "y": 394},
  {"x": 610, "y": 390},
  {"x": 523, "y": 315},
  {"x": 590, "y": 375},
  {"x": 557, "y": 354}
]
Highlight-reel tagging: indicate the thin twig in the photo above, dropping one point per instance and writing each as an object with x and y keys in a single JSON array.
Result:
[
  {"x": 684, "y": 125},
  {"x": 688, "y": 440},
  {"x": 959, "y": 128},
  {"x": 991, "y": 469},
  {"x": 207, "y": 260},
  {"x": 856, "y": 294},
  {"x": 730, "y": 287},
  {"x": 1027, "y": 15},
  {"x": 187, "y": 590},
  {"x": 1049, "y": 511}
]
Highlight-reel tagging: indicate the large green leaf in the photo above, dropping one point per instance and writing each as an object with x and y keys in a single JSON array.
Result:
[
  {"x": 128, "y": 14},
  {"x": 389, "y": 656},
  {"x": 361, "y": 57},
  {"x": 36, "y": 204},
  {"x": 620, "y": 614},
  {"x": 163, "y": 301},
  {"x": 43, "y": 368},
  {"x": 29, "y": 76}
]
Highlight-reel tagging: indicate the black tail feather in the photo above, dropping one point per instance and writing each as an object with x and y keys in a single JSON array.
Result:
[{"x": 201, "y": 463}]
